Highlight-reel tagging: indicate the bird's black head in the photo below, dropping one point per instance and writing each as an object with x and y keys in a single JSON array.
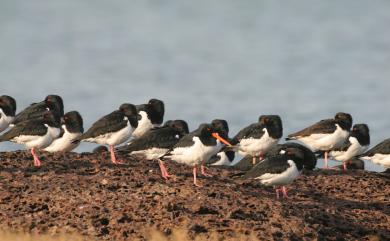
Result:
[
  {"x": 158, "y": 109},
  {"x": 52, "y": 119},
  {"x": 344, "y": 120},
  {"x": 362, "y": 133},
  {"x": 55, "y": 103},
  {"x": 208, "y": 130},
  {"x": 180, "y": 126},
  {"x": 130, "y": 111},
  {"x": 205, "y": 130},
  {"x": 8, "y": 105},
  {"x": 294, "y": 154},
  {"x": 274, "y": 125},
  {"x": 221, "y": 126},
  {"x": 73, "y": 122}
]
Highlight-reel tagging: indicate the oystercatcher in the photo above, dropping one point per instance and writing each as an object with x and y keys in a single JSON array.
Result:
[
  {"x": 156, "y": 142},
  {"x": 278, "y": 170},
  {"x": 196, "y": 147},
  {"x": 256, "y": 139},
  {"x": 35, "y": 134},
  {"x": 71, "y": 130},
  {"x": 356, "y": 144},
  {"x": 326, "y": 134},
  {"x": 113, "y": 129}
]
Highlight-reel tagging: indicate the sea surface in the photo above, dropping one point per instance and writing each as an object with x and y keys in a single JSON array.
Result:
[{"x": 304, "y": 60}]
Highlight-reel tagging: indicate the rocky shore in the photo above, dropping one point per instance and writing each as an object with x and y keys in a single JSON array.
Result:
[{"x": 87, "y": 195}]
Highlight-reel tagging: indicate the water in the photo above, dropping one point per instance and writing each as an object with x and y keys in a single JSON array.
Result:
[{"x": 305, "y": 60}]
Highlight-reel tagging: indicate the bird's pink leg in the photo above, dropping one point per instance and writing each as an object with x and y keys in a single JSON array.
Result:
[
  {"x": 326, "y": 161},
  {"x": 37, "y": 162},
  {"x": 194, "y": 172},
  {"x": 164, "y": 172},
  {"x": 113, "y": 157},
  {"x": 284, "y": 190},
  {"x": 203, "y": 171}
]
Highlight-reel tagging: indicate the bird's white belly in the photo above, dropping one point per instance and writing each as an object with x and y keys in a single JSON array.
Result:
[
  {"x": 64, "y": 143},
  {"x": 325, "y": 142},
  {"x": 31, "y": 141},
  {"x": 150, "y": 154},
  {"x": 256, "y": 147},
  {"x": 223, "y": 161},
  {"x": 280, "y": 179},
  {"x": 113, "y": 138},
  {"x": 353, "y": 150},
  {"x": 192, "y": 155},
  {"x": 382, "y": 159}
]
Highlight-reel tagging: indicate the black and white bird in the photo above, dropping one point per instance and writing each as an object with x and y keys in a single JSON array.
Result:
[
  {"x": 379, "y": 154},
  {"x": 196, "y": 147},
  {"x": 256, "y": 139},
  {"x": 356, "y": 144},
  {"x": 278, "y": 170},
  {"x": 52, "y": 103},
  {"x": 309, "y": 160},
  {"x": 35, "y": 134},
  {"x": 156, "y": 142},
  {"x": 223, "y": 157},
  {"x": 71, "y": 130},
  {"x": 325, "y": 135},
  {"x": 7, "y": 111},
  {"x": 113, "y": 129},
  {"x": 152, "y": 115}
]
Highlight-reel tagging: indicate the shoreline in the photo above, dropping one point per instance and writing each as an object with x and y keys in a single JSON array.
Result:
[{"x": 83, "y": 194}]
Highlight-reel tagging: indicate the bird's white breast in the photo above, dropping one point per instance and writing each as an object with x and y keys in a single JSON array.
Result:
[
  {"x": 65, "y": 142},
  {"x": 143, "y": 125},
  {"x": 283, "y": 178},
  {"x": 325, "y": 141},
  {"x": 255, "y": 147}
]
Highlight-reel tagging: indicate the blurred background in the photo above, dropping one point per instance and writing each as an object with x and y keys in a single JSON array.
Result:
[{"x": 304, "y": 60}]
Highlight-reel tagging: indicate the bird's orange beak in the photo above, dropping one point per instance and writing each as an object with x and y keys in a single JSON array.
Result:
[{"x": 216, "y": 136}]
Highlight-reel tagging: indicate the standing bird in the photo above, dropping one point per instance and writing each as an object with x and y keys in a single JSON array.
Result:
[
  {"x": 325, "y": 135},
  {"x": 7, "y": 111},
  {"x": 379, "y": 154},
  {"x": 356, "y": 144},
  {"x": 113, "y": 129},
  {"x": 156, "y": 143},
  {"x": 196, "y": 147},
  {"x": 152, "y": 115},
  {"x": 71, "y": 130},
  {"x": 222, "y": 127},
  {"x": 35, "y": 134},
  {"x": 256, "y": 139},
  {"x": 278, "y": 170},
  {"x": 52, "y": 103}
]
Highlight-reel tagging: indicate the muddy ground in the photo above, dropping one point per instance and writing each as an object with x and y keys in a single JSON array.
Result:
[{"x": 85, "y": 194}]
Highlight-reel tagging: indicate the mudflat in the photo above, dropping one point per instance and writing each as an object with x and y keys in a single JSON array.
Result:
[{"x": 84, "y": 193}]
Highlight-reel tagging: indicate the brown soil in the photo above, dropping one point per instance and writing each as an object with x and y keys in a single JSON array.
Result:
[{"x": 80, "y": 193}]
